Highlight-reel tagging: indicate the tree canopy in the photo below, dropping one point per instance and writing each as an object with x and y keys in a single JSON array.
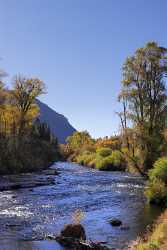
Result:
[
  {"x": 25, "y": 143},
  {"x": 144, "y": 98}
]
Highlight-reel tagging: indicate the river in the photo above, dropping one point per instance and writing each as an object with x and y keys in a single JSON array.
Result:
[{"x": 28, "y": 215}]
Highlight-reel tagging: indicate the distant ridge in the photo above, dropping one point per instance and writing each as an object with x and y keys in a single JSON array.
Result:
[{"x": 58, "y": 123}]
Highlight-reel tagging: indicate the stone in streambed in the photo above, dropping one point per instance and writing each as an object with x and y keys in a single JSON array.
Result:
[
  {"x": 75, "y": 231},
  {"x": 76, "y": 244},
  {"x": 71, "y": 235},
  {"x": 74, "y": 236},
  {"x": 115, "y": 222}
]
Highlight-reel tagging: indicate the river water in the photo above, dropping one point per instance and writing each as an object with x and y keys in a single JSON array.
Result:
[{"x": 28, "y": 215}]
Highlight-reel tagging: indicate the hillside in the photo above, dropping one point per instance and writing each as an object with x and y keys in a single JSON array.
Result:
[{"x": 58, "y": 124}]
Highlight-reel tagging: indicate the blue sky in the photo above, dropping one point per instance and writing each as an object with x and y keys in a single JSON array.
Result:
[{"x": 77, "y": 47}]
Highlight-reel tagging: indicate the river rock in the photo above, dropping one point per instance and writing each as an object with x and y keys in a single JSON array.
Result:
[
  {"x": 115, "y": 222},
  {"x": 98, "y": 246},
  {"x": 75, "y": 231},
  {"x": 14, "y": 196},
  {"x": 74, "y": 236},
  {"x": 76, "y": 244},
  {"x": 71, "y": 235}
]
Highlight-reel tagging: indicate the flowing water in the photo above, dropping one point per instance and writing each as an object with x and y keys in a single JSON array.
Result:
[{"x": 28, "y": 215}]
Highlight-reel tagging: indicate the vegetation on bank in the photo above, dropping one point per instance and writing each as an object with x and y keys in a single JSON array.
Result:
[
  {"x": 144, "y": 130},
  {"x": 156, "y": 191},
  {"x": 103, "y": 154},
  {"x": 156, "y": 239},
  {"x": 112, "y": 161},
  {"x": 25, "y": 143}
]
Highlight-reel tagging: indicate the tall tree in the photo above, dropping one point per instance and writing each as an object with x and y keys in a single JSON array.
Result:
[
  {"x": 144, "y": 91},
  {"x": 25, "y": 91}
]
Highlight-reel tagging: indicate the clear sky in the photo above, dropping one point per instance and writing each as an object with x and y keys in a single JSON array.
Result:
[{"x": 78, "y": 47}]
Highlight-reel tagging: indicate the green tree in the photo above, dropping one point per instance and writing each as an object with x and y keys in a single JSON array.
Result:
[
  {"x": 144, "y": 99},
  {"x": 79, "y": 139}
]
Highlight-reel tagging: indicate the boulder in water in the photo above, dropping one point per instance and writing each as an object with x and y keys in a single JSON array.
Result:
[
  {"x": 74, "y": 236},
  {"x": 75, "y": 231},
  {"x": 76, "y": 244},
  {"x": 115, "y": 222}
]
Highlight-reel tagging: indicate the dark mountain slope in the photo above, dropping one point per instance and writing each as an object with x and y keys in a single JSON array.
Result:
[{"x": 58, "y": 124}]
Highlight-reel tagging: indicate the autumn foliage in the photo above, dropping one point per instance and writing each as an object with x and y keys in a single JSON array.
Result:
[{"x": 25, "y": 143}]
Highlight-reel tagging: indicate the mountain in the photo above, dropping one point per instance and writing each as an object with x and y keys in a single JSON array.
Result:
[{"x": 58, "y": 123}]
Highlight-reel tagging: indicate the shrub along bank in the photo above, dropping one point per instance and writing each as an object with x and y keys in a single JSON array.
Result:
[
  {"x": 102, "y": 159},
  {"x": 102, "y": 154}
]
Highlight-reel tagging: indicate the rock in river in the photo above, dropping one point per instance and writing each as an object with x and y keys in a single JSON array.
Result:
[
  {"x": 115, "y": 222},
  {"x": 75, "y": 231},
  {"x": 74, "y": 236},
  {"x": 71, "y": 235}
]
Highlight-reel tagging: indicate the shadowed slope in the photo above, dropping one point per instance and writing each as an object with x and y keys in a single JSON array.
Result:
[{"x": 58, "y": 124}]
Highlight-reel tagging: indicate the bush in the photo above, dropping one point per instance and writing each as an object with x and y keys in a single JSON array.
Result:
[
  {"x": 111, "y": 162},
  {"x": 104, "y": 152},
  {"x": 159, "y": 170},
  {"x": 89, "y": 148},
  {"x": 156, "y": 192},
  {"x": 85, "y": 158},
  {"x": 103, "y": 159},
  {"x": 104, "y": 163},
  {"x": 94, "y": 162},
  {"x": 117, "y": 158}
]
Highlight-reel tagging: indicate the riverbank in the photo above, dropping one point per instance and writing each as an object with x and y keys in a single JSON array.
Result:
[
  {"x": 156, "y": 238},
  {"x": 28, "y": 180},
  {"x": 156, "y": 193}
]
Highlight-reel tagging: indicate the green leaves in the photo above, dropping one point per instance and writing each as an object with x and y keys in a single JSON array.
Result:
[
  {"x": 144, "y": 98},
  {"x": 159, "y": 170},
  {"x": 79, "y": 139}
]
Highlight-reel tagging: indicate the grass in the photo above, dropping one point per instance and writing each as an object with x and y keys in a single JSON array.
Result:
[{"x": 154, "y": 240}]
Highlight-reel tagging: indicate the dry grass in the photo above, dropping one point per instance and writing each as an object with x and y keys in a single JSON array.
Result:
[{"x": 156, "y": 239}]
